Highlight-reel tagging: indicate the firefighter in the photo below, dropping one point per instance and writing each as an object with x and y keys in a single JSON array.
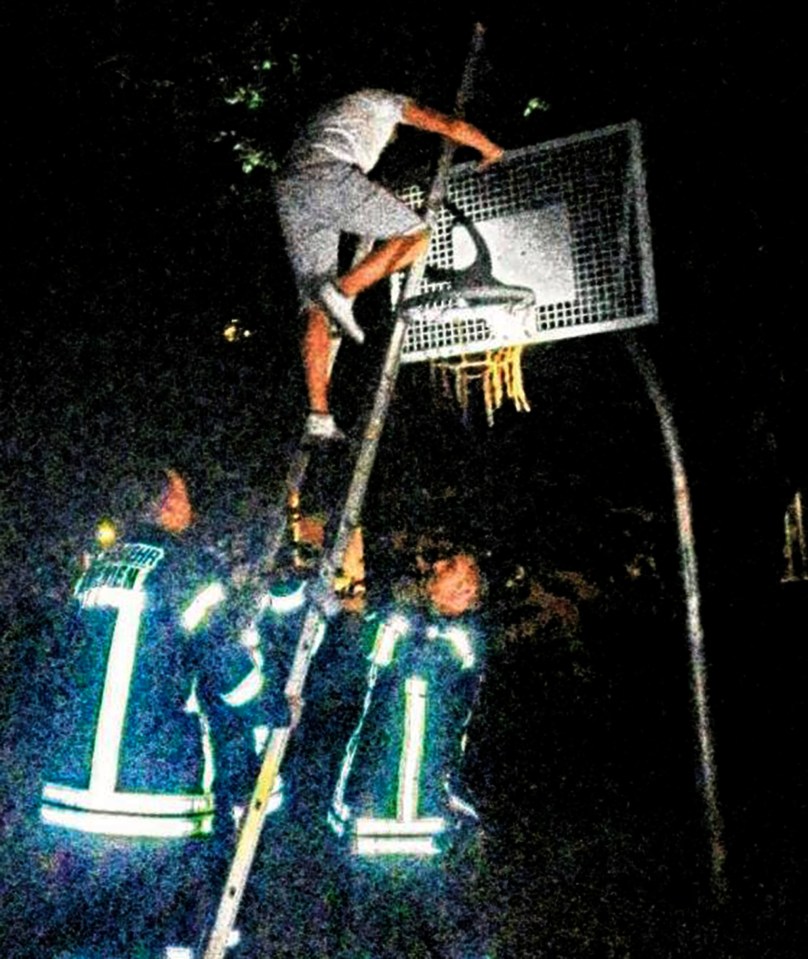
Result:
[
  {"x": 157, "y": 707},
  {"x": 403, "y": 820}
]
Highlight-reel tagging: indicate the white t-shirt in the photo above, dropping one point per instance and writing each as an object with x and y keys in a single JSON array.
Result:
[{"x": 355, "y": 129}]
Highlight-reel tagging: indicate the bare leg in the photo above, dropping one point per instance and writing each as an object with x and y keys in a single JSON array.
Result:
[
  {"x": 394, "y": 255},
  {"x": 316, "y": 359}
]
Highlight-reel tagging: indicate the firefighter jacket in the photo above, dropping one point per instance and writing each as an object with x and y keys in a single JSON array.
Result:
[
  {"x": 398, "y": 788},
  {"x": 155, "y": 697}
]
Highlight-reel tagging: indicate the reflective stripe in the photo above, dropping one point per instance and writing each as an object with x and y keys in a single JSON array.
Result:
[
  {"x": 208, "y": 760},
  {"x": 336, "y": 822},
  {"x": 192, "y": 704},
  {"x": 341, "y": 809},
  {"x": 387, "y": 635},
  {"x": 100, "y": 808},
  {"x": 317, "y": 642},
  {"x": 428, "y": 826},
  {"x": 412, "y": 754},
  {"x": 111, "y": 824},
  {"x": 250, "y": 686},
  {"x": 201, "y": 605},
  {"x": 460, "y": 640},
  {"x": 194, "y": 707},
  {"x": 284, "y": 603},
  {"x": 147, "y": 804},
  {"x": 275, "y": 801},
  {"x": 395, "y": 846},
  {"x": 260, "y": 739},
  {"x": 461, "y": 643},
  {"x": 109, "y": 731},
  {"x": 456, "y": 804}
]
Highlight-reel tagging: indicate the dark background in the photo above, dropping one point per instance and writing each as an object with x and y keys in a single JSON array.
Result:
[{"x": 134, "y": 237}]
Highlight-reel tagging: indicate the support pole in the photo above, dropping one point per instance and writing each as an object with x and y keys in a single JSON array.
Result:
[
  {"x": 689, "y": 573},
  {"x": 796, "y": 548}
]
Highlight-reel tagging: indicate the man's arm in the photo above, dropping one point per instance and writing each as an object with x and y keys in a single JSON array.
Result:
[{"x": 458, "y": 131}]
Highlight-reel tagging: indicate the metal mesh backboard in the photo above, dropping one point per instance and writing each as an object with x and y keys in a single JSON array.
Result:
[{"x": 566, "y": 219}]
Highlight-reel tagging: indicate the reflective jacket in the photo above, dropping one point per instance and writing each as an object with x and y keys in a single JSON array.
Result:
[
  {"x": 397, "y": 792},
  {"x": 150, "y": 678}
]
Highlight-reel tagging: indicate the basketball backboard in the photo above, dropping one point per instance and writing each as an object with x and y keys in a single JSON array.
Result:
[{"x": 565, "y": 221}]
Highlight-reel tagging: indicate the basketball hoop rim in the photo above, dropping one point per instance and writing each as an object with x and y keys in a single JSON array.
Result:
[{"x": 509, "y": 297}]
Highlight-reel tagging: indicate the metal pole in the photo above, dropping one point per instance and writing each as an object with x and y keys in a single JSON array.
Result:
[
  {"x": 689, "y": 572},
  {"x": 795, "y": 550}
]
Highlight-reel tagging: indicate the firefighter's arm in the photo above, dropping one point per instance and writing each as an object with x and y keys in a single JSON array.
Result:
[
  {"x": 458, "y": 131},
  {"x": 235, "y": 673}
]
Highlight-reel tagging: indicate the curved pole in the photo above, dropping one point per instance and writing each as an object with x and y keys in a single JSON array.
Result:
[{"x": 689, "y": 572}]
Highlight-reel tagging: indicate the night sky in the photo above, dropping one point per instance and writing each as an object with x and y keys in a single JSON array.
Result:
[{"x": 134, "y": 237}]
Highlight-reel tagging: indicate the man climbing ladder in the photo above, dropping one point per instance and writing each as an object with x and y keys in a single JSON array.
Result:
[
  {"x": 314, "y": 623},
  {"x": 323, "y": 191}
]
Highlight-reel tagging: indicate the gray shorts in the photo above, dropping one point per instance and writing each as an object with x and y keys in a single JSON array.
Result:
[{"x": 318, "y": 203}]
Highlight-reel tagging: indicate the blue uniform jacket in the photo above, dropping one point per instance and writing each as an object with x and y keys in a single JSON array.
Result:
[
  {"x": 397, "y": 792},
  {"x": 154, "y": 696}
]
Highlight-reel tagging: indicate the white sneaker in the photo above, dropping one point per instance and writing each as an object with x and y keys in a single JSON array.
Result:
[
  {"x": 340, "y": 309},
  {"x": 321, "y": 428}
]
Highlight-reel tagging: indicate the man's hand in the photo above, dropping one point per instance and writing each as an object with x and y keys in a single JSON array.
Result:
[{"x": 490, "y": 157}]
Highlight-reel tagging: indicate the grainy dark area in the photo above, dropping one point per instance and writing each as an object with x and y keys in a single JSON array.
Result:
[{"x": 134, "y": 237}]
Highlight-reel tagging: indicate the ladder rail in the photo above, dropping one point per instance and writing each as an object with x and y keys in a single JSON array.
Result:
[
  {"x": 355, "y": 496},
  {"x": 315, "y": 620}
]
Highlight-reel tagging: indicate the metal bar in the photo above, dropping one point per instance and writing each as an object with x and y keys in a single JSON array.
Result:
[
  {"x": 689, "y": 573},
  {"x": 315, "y": 620},
  {"x": 548, "y": 145},
  {"x": 643, "y": 222}
]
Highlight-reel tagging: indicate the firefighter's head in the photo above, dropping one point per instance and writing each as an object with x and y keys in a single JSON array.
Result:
[
  {"x": 158, "y": 496},
  {"x": 172, "y": 510},
  {"x": 453, "y": 585}
]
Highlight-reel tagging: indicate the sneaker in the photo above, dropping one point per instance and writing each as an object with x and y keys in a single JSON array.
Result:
[
  {"x": 340, "y": 309},
  {"x": 321, "y": 428}
]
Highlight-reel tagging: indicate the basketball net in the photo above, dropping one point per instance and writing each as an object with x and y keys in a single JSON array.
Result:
[{"x": 499, "y": 371}]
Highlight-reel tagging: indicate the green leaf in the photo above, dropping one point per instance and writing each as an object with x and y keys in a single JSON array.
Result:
[{"x": 536, "y": 103}]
